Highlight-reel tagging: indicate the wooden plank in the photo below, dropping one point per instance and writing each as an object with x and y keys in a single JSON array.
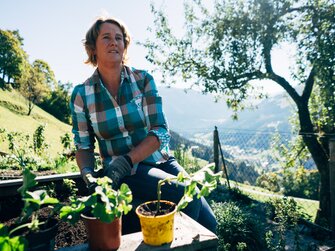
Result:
[{"x": 189, "y": 235}]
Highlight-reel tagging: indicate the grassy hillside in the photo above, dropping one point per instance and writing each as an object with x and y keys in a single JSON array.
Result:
[{"x": 13, "y": 117}]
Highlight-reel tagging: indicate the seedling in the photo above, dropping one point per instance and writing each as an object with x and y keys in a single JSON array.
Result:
[
  {"x": 105, "y": 203},
  {"x": 204, "y": 179},
  {"x": 33, "y": 201}
]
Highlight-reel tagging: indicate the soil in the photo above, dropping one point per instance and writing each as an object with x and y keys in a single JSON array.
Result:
[
  {"x": 71, "y": 235},
  {"x": 67, "y": 234},
  {"x": 6, "y": 174},
  {"x": 149, "y": 209}
]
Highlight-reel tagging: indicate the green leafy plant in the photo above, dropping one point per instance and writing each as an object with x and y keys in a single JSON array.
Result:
[
  {"x": 202, "y": 182},
  {"x": 39, "y": 143},
  {"x": 29, "y": 220},
  {"x": 286, "y": 214},
  {"x": 17, "y": 243},
  {"x": 105, "y": 203},
  {"x": 237, "y": 229},
  {"x": 33, "y": 201}
]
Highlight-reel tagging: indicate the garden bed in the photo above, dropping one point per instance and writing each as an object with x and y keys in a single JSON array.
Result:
[{"x": 71, "y": 235}]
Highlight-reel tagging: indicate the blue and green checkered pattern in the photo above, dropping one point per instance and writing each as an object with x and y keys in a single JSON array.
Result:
[{"x": 121, "y": 123}]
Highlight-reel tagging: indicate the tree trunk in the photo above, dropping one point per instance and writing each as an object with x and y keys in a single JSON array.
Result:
[
  {"x": 320, "y": 157},
  {"x": 30, "y": 107}
]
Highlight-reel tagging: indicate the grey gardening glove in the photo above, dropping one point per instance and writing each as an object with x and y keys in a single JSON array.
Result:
[{"x": 117, "y": 169}]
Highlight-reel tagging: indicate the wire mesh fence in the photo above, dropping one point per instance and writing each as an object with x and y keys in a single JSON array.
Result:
[{"x": 255, "y": 163}]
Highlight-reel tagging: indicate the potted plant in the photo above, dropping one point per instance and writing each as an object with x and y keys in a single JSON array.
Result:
[
  {"x": 157, "y": 217},
  {"x": 32, "y": 232},
  {"x": 101, "y": 212}
]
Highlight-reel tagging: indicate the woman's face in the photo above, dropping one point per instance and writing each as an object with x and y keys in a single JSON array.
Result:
[{"x": 109, "y": 45}]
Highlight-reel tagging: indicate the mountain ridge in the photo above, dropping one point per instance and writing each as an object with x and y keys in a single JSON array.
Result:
[{"x": 191, "y": 112}]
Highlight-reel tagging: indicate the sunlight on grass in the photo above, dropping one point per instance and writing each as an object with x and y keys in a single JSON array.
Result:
[
  {"x": 13, "y": 118},
  {"x": 308, "y": 207}
]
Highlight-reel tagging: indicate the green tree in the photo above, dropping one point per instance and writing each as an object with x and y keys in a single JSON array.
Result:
[
  {"x": 57, "y": 103},
  {"x": 227, "y": 48},
  {"x": 34, "y": 87},
  {"x": 13, "y": 59},
  {"x": 49, "y": 75}
]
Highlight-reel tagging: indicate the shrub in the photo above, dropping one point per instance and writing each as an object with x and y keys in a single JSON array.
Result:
[
  {"x": 285, "y": 212},
  {"x": 237, "y": 229}
]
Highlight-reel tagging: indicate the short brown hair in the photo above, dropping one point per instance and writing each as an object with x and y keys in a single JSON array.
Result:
[{"x": 93, "y": 33}]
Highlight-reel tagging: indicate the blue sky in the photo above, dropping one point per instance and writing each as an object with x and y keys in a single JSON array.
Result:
[{"x": 53, "y": 30}]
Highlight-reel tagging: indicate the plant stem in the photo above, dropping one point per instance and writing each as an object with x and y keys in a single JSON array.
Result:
[
  {"x": 23, "y": 226},
  {"x": 160, "y": 183}
]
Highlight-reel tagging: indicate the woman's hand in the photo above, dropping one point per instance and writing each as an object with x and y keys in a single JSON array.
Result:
[{"x": 117, "y": 169}]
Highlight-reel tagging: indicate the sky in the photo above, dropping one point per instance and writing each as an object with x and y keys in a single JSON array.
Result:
[{"x": 53, "y": 30}]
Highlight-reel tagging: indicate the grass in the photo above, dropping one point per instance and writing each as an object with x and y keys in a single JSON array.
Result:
[
  {"x": 307, "y": 207},
  {"x": 13, "y": 118}
]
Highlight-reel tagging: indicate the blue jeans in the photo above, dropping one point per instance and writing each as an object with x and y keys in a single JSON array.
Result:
[{"x": 144, "y": 188}]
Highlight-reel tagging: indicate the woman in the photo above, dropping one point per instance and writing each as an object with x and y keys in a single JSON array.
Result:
[{"x": 120, "y": 107}]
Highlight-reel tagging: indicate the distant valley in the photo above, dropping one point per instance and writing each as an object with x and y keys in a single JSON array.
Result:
[{"x": 194, "y": 113}]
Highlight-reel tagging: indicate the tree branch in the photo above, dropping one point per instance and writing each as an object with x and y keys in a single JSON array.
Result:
[
  {"x": 302, "y": 8},
  {"x": 286, "y": 85},
  {"x": 308, "y": 86}
]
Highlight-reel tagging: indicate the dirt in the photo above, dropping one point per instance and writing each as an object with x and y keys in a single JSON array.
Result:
[
  {"x": 7, "y": 174},
  {"x": 70, "y": 235},
  {"x": 149, "y": 209},
  {"x": 67, "y": 234}
]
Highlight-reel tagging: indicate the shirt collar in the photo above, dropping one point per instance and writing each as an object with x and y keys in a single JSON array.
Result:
[{"x": 125, "y": 74}]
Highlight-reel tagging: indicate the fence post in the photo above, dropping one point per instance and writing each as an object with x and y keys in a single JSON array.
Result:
[
  {"x": 216, "y": 149},
  {"x": 332, "y": 182}
]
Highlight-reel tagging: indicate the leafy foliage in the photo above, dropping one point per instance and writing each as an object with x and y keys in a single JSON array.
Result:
[
  {"x": 204, "y": 178},
  {"x": 237, "y": 229},
  {"x": 8, "y": 243},
  {"x": 33, "y": 201},
  {"x": 33, "y": 86},
  {"x": 57, "y": 102},
  {"x": 13, "y": 58},
  {"x": 31, "y": 153},
  {"x": 225, "y": 49},
  {"x": 105, "y": 203},
  {"x": 286, "y": 214},
  {"x": 39, "y": 143}
]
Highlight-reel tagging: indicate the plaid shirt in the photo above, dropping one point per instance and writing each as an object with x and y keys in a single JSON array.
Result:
[{"x": 121, "y": 123}]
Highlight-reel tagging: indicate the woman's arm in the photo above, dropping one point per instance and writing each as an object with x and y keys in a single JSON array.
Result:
[
  {"x": 85, "y": 158},
  {"x": 83, "y": 132},
  {"x": 147, "y": 147}
]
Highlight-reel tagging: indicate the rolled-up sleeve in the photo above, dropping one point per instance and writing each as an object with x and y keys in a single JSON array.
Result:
[
  {"x": 81, "y": 126},
  {"x": 153, "y": 110}
]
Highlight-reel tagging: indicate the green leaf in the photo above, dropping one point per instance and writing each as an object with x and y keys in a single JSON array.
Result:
[
  {"x": 100, "y": 212},
  {"x": 50, "y": 201},
  {"x": 28, "y": 181},
  {"x": 5, "y": 244},
  {"x": 3, "y": 230},
  {"x": 18, "y": 243},
  {"x": 71, "y": 213}
]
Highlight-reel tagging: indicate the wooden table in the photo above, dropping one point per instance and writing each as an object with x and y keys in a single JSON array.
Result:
[{"x": 189, "y": 235}]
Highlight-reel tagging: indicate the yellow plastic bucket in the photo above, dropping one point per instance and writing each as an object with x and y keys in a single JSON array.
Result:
[{"x": 157, "y": 230}]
